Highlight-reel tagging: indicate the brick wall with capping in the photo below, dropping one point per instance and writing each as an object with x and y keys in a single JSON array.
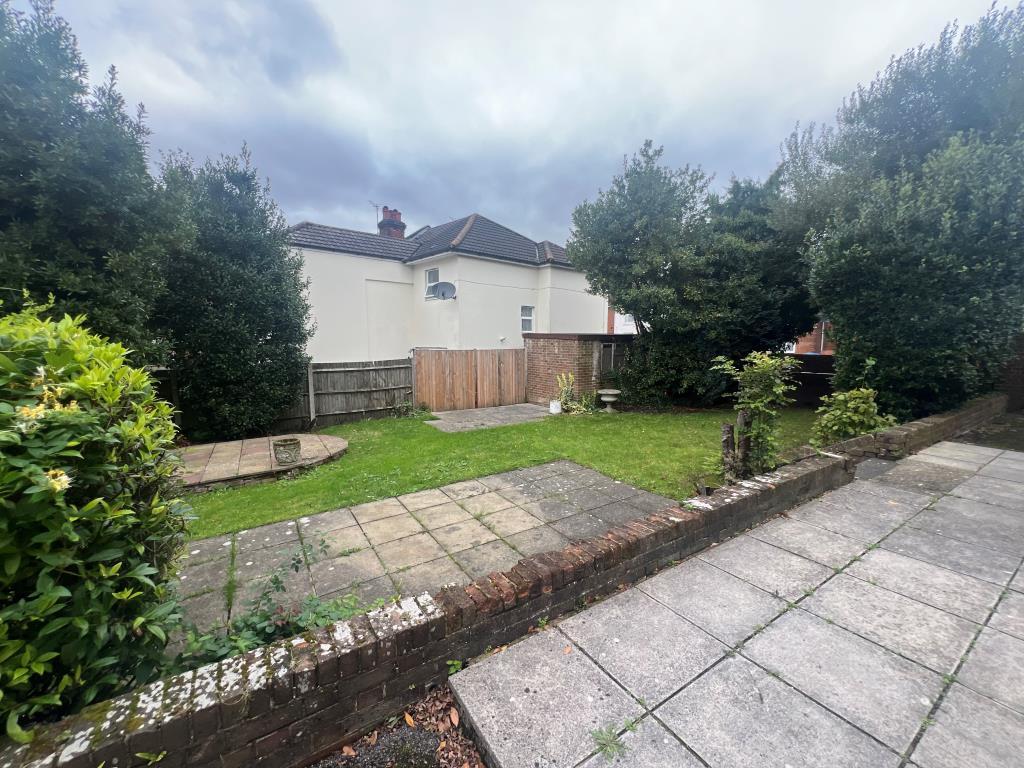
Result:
[{"x": 549, "y": 354}]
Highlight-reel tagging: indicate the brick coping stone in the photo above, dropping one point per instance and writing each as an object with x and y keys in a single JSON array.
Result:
[{"x": 288, "y": 703}]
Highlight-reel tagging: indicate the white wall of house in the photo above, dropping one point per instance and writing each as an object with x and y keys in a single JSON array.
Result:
[{"x": 373, "y": 309}]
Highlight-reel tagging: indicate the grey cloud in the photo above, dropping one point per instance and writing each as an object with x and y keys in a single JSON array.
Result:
[{"x": 517, "y": 111}]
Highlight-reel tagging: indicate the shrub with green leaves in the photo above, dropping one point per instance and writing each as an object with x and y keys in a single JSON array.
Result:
[
  {"x": 843, "y": 415},
  {"x": 764, "y": 383},
  {"x": 89, "y": 525}
]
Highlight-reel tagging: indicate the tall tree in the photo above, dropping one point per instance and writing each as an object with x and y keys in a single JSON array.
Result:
[
  {"x": 235, "y": 310},
  {"x": 928, "y": 143},
  {"x": 78, "y": 208},
  {"x": 704, "y": 275}
]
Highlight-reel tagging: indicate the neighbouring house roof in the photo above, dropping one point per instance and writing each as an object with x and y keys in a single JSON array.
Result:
[{"x": 474, "y": 235}]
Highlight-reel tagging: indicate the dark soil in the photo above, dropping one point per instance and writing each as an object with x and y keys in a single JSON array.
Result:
[{"x": 428, "y": 735}]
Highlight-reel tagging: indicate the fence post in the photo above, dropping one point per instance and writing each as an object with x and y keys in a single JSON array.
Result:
[{"x": 312, "y": 393}]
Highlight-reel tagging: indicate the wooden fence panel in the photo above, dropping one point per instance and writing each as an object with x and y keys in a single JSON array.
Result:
[
  {"x": 457, "y": 379},
  {"x": 347, "y": 391}
]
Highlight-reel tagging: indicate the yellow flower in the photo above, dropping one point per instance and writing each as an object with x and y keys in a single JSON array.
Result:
[
  {"x": 58, "y": 480},
  {"x": 31, "y": 413}
]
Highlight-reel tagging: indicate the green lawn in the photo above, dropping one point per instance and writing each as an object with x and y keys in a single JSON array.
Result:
[{"x": 662, "y": 452}]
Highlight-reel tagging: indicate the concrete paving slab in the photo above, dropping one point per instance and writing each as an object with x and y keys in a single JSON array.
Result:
[
  {"x": 917, "y": 500},
  {"x": 340, "y": 573},
  {"x": 485, "y": 504},
  {"x": 410, "y": 551},
  {"x": 1009, "y": 615},
  {"x": 966, "y": 451},
  {"x": 551, "y": 509},
  {"x": 429, "y": 577},
  {"x": 992, "y": 490},
  {"x": 774, "y": 570},
  {"x": 975, "y": 522},
  {"x": 925, "y": 476},
  {"x": 651, "y": 745},
  {"x": 523, "y": 494},
  {"x": 869, "y": 468},
  {"x": 484, "y": 559},
  {"x": 979, "y": 562},
  {"x": 327, "y": 521},
  {"x": 995, "y": 668},
  {"x": 945, "y": 461},
  {"x": 876, "y": 690},
  {"x": 648, "y": 502},
  {"x": 432, "y": 497},
  {"x": 920, "y": 632},
  {"x": 337, "y": 542},
  {"x": 971, "y": 730},
  {"x": 810, "y": 541},
  {"x": 580, "y": 526},
  {"x": 509, "y": 521},
  {"x": 536, "y": 541},
  {"x": 484, "y": 418},
  {"x": 535, "y": 706},
  {"x": 737, "y": 715},
  {"x": 723, "y": 605},
  {"x": 1018, "y": 581},
  {"x": 441, "y": 515},
  {"x": 459, "y": 536},
  {"x": 651, "y": 651},
  {"x": 391, "y": 528},
  {"x": 207, "y": 611},
  {"x": 866, "y": 524},
  {"x": 586, "y": 499},
  {"x": 204, "y": 577},
  {"x": 369, "y": 592},
  {"x": 465, "y": 489},
  {"x": 285, "y": 533},
  {"x": 933, "y": 585},
  {"x": 200, "y": 551},
  {"x": 377, "y": 510},
  {"x": 618, "y": 512},
  {"x": 1012, "y": 471}
]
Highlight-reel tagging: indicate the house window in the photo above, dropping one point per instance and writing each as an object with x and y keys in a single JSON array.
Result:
[
  {"x": 432, "y": 278},
  {"x": 526, "y": 317}
]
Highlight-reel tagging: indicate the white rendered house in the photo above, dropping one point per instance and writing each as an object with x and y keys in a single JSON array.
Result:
[{"x": 372, "y": 300}]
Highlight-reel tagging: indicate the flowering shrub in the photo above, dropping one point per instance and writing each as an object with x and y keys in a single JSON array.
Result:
[
  {"x": 88, "y": 523},
  {"x": 848, "y": 414}
]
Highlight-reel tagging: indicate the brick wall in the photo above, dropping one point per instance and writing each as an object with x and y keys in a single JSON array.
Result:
[
  {"x": 818, "y": 341},
  {"x": 549, "y": 354}
]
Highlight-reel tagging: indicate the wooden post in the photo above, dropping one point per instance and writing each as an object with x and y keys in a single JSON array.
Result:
[
  {"x": 728, "y": 452},
  {"x": 743, "y": 443},
  {"x": 312, "y": 394}
]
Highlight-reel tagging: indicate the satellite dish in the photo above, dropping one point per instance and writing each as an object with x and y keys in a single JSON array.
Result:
[{"x": 443, "y": 291}]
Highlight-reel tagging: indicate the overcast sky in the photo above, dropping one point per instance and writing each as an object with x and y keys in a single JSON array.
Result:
[{"x": 515, "y": 110}]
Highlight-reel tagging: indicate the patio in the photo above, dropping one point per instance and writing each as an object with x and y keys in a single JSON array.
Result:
[
  {"x": 237, "y": 462},
  {"x": 880, "y": 625},
  {"x": 484, "y": 418},
  {"x": 411, "y": 543}
]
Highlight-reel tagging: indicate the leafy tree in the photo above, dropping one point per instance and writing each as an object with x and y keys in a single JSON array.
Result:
[
  {"x": 235, "y": 310},
  {"x": 78, "y": 208},
  {"x": 927, "y": 277},
  {"x": 704, "y": 275},
  {"x": 910, "y": 204}
]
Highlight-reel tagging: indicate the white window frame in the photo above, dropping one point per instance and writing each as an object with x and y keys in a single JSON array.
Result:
[
  {"x": 427, "y": 282},
  {"x": 526, "y": 313}
]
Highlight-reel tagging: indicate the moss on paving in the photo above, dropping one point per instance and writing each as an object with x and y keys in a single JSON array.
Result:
[{"x": 660, "y": 452}]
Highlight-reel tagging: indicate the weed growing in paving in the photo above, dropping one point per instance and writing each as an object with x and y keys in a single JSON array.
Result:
[
  {"x": 454, "y": 665},
  {"x": 608, "y": 742}
]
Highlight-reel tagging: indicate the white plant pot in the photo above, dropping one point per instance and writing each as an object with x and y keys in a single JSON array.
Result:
[{"x": 555, "y": 406}]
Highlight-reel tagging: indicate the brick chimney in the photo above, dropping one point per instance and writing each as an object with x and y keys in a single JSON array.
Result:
[{"x": 391, "y": 224}]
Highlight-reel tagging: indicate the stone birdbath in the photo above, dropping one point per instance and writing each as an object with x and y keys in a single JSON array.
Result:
[{"x": 609, "y": 396}]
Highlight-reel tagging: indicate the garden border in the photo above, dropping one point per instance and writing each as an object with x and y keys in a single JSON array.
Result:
[{"x": 288, "y": 703}]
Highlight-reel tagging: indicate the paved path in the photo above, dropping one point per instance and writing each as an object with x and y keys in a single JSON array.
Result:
[
  {"x": 239, "y": 461},
  {"x": 483, "y": 418},
  {"x": 410, "y": 544},
  {"x": 881, "y": 625}
]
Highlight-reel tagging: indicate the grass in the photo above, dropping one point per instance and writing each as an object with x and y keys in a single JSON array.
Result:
[{"x": 661, "y": 452}]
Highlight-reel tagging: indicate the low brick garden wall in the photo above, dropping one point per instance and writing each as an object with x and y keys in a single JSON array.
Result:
[
  {"x": 286, "y": 704},
  {"x": 904, "y": 439}
]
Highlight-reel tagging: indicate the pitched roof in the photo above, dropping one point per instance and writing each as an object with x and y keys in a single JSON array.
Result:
[{"x": 474, "y": 235}]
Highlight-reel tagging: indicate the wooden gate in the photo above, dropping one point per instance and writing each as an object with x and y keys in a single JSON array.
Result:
[{"x": 455, "y": 379}]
